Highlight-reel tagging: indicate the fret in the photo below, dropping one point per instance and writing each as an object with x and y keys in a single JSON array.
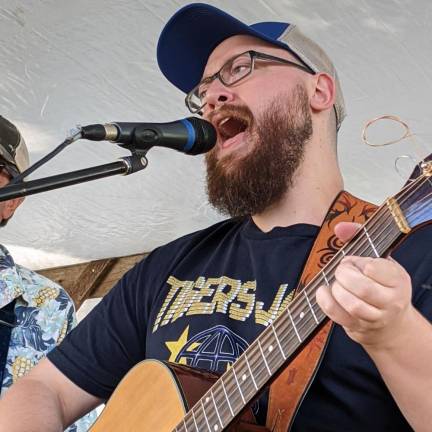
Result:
[
  {"x": 226, "y": 397},
  {"x": 184, "y": 422},
  {"x": 310, "y": 306},
  {"x": 294, "y": 326},
  {"x": 250, "y": 371},
  {"x": 238, "y": 385},
  {"x": 194, "y": 420},
  {"x": 325, "y": 278},
  {"x": 263, "y": 356},
  {"x": 217, "y": 411},
  {"x": 205, "y": 415},
  {"x": 277, "y": 340},
  {"x": 303, "y": 320},
  {"x": 371, "y": 242}
]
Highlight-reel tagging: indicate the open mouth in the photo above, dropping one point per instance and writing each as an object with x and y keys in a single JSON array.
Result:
[{"x": 231, "y": 126}]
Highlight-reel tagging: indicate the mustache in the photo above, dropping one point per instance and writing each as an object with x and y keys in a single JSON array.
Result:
[{"x": 236, "y": 111}]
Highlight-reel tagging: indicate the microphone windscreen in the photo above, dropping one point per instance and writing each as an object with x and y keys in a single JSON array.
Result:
[{"x": 205, "y": 138}]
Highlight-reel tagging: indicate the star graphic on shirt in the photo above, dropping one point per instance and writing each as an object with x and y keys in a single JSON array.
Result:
[{"x": 176, "y": 346}]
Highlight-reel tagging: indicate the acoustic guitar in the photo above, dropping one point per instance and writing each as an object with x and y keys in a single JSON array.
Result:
[{"x": 182, "y": 399}]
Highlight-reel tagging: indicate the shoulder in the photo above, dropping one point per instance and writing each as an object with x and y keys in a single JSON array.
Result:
[
  {"x": 38, "y": 289},
  {"x": 225, "y": 231},
  {"x": 215, "y": 232},
  {"x": 199, "y": 243}
]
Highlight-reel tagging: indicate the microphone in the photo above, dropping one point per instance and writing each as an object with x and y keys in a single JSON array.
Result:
[{"x": 191, "y": 135}]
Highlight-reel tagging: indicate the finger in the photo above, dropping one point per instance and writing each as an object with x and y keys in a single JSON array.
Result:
[
  {"x": 354, "y": 306},
  {"x": 331, "y": 307},
  {"x": 346, "y": 230},
  {"x": 386, "y": 272},
  {"x": 353, "y": 280}
]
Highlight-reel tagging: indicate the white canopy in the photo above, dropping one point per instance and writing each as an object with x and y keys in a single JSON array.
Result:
[{"x": 79, "y": 62}]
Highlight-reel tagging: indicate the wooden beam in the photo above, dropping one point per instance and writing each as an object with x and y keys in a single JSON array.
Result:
[
  {"x": 93, "y": 278},
  {"x": 89, "y": 280}
]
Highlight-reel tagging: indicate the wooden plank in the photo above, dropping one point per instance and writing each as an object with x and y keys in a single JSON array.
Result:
[
  {"x": 93, "y": 278},
  {"x": 89, "y": 278}
]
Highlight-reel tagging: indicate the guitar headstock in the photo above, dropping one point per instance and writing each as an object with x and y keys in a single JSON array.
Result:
[{"x": 415, "y": 199}]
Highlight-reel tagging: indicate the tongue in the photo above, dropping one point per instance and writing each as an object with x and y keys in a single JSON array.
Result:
[{"x": 232, "y": 127}]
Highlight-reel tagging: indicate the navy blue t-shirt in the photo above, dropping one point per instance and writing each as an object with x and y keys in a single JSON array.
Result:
[{"x": 204, "y": 298}]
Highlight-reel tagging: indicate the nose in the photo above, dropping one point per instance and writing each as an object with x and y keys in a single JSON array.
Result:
[{"x": 217, "y": 94}]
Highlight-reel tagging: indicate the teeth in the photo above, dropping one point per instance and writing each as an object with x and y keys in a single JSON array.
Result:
[{"x": 224, "y": 121}]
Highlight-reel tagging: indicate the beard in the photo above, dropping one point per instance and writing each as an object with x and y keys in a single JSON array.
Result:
[{"x": 248, "y": 185}]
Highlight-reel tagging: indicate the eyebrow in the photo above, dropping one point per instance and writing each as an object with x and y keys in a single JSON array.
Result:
[{"x": 224, "y": 63}]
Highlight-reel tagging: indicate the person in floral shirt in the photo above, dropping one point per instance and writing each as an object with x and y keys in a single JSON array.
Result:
[{"x": 35, "y": 313}]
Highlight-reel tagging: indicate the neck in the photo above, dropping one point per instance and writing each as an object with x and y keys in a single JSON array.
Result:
[{"x": 315, "y": 185}]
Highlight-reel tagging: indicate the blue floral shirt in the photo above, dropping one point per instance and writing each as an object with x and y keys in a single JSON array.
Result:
[{"x": 44, "y": 315}]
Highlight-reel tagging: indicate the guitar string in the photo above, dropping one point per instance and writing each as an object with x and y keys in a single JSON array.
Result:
[
  {"x": 412, "y": 186},
  {"x": 419, "y": 202},
  {"x": 423, "y": 204},
  {"x": 271, "y": 362},
  {"x": 374, "y": 218},
  {"x": 223, "y": 414},
  {"x": 368, "y": 247},
  {"x": 396, "y": 231},
  {"x": 288, "y": 308},
  {"x": 224, "y": 411}
]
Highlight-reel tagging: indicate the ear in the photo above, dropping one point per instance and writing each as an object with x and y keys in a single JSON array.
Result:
[
  {"x": 10, "y": 207},
  {"x": 324, "y": 93}
]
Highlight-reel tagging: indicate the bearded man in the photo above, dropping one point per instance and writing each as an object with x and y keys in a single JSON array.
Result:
[{"x": 274, "y": 98}]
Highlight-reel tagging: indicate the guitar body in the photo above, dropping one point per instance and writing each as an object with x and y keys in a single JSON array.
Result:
[{"x": 155, "y": 396}]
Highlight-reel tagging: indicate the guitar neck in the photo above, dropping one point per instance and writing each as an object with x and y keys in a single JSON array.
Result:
[{"x": 277, "y": 344}]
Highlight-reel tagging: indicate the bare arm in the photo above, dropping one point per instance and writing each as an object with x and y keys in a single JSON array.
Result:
[
  {"x": 371, "y": 299},
  {"x": 405, "y": 366},
  {"x": 44, "y": 401}
]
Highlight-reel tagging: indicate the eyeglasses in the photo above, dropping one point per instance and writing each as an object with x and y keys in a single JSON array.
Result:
[{"x": 233, "y": 71}]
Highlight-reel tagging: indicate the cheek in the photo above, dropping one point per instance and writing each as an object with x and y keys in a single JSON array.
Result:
[{"x": 261, "y": 94}]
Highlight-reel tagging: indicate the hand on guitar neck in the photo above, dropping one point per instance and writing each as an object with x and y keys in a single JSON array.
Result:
[{"x": 370, "y": 297}]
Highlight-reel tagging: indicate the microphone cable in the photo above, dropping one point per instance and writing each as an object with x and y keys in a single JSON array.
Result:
[{"x": 69, "y": 140}]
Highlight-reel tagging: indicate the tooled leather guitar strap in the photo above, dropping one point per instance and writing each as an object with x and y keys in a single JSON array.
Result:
[{"x": 287, "y": 390}]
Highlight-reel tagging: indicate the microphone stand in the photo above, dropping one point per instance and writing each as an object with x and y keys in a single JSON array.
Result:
[{"x": 125, "y": 166}]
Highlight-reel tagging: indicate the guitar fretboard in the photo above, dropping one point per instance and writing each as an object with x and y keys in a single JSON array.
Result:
[{"x": 280, "y": 340}]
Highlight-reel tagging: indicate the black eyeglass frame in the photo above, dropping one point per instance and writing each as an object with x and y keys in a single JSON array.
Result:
[{"x": 253, "y": 55}]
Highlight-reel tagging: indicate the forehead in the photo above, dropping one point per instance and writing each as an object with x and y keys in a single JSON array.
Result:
[{"x": 237, "y": 45}]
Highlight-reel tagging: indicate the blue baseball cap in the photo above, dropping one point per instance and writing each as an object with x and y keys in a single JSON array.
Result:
[{"x": 194, "y": 31}]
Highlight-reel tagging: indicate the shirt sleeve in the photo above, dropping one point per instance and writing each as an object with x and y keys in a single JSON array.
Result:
[{"x": 110, "y": 340}]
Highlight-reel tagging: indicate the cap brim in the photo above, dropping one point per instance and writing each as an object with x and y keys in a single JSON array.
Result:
[{"x": 190, "y": 36}]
